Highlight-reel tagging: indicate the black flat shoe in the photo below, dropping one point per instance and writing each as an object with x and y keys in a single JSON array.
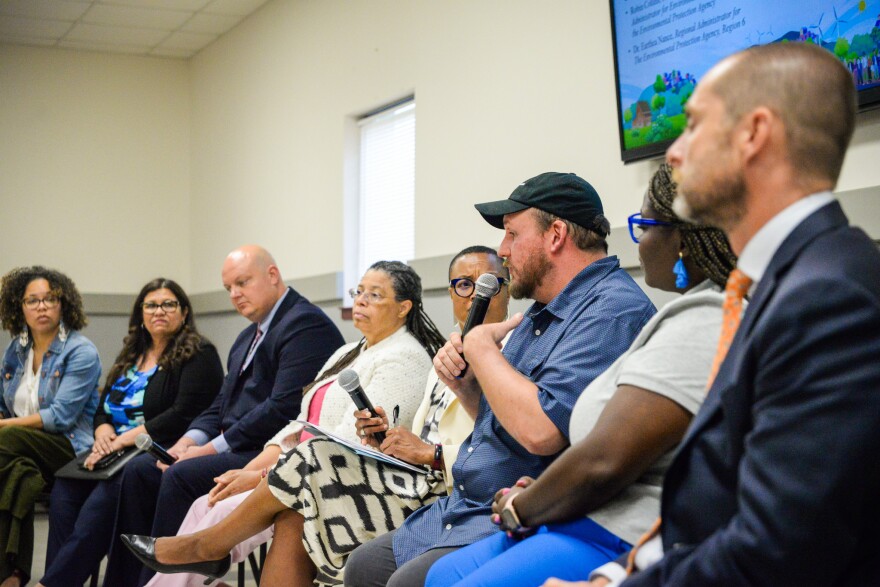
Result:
[{"x": 144, "y": 548}]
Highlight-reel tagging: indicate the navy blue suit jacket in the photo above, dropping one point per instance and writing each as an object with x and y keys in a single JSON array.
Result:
[
  {"x": 776, "y": 482},
  {"x": 253, "y": 406}
]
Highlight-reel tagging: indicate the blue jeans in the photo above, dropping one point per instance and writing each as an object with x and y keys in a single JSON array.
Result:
[{"x": 568, "y": 551}]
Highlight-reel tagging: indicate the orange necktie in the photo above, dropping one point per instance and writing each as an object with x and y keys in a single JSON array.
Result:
[{"x": 738, "y": 284}]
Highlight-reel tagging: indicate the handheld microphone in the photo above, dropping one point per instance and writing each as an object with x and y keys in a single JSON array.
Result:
[
  {"x": 350, "y": 382},
  {"x": 486, "y": 287},
  {"x": 145, "y": 443}
]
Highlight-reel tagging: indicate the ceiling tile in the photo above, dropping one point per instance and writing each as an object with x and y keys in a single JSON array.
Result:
[
  {"x": 104, "y": 47},
  {"x": 136, "y": 17},
  {"x": 174, "y": 53},
  {"x": 115, "y": 35},
  {"x": 51, "y": 9},
  {"x": 215, "y": 24},
  {"x": 191, "y": 5},
  {"x": 191, "y": 41},
  {"x": 25, "y": 40},
  {"x": 30, "y": 27},
  {"x": 233, "y": 7}
]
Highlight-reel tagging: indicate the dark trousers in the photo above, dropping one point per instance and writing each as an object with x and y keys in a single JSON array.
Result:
[
  {"x": 153, "y": 503},
  {"x": 373, "y": 565},
  {"x": 81, "y": 517},
  {"x": 28, "y": 460}
]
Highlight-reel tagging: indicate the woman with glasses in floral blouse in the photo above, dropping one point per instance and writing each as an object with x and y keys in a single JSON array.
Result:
[{"x": 164, "y": 376}]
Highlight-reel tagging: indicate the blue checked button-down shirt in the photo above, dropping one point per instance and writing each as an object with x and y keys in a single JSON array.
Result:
[{"x": 561, "y": 347}]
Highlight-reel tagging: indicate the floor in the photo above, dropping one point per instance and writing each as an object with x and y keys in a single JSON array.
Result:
[{"x": 41, "y": 531}]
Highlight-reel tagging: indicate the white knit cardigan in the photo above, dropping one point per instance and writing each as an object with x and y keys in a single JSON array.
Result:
[{"x": 392, "y": 373}]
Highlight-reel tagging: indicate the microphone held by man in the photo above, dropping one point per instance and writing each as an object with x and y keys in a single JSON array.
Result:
[{"x": 485, "y": 289}]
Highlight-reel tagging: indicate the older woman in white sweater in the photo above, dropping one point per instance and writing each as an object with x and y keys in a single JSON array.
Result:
[{"x": 392, "y": 362}]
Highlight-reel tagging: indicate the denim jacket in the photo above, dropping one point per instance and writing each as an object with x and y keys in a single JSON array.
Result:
[{"x": 68, "y": 391}]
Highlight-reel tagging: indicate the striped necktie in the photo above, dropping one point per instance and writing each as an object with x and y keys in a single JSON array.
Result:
[{"x": 249, "y": 356}]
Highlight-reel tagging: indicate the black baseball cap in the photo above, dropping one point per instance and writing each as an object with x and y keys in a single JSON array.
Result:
[{"x": 562, "y": 194}]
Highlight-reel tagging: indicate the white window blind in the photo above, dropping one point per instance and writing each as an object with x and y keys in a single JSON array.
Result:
[{"x": 386, "y": 190}]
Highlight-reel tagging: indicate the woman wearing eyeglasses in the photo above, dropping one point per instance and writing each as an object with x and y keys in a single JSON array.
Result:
[
  {"x": 164, "y": 376},
  {"x": 603, "y": 492},
  {"x": 392, "y": 362},
  {"x": 324, "y": 500},
  {"x": 49, "y": 382}
]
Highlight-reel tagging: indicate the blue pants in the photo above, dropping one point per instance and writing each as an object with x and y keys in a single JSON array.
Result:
[
  {"x": 568, "y": 551},
  {"x": 155, "y": 503},
  {"x": 81, "y": 515}
]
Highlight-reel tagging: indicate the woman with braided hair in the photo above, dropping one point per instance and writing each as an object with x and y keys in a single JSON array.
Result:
[
  {"x": 603, "y": 492},
  {"x": 245, "y": 507}
]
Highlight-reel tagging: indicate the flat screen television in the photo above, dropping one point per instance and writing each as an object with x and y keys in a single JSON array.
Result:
[{"x": 663, "y": 47}]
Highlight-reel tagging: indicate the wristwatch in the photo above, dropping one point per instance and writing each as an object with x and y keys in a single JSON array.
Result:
[
  {"x": 437, "y": 465},
  {"x": 510, "y": 519}
]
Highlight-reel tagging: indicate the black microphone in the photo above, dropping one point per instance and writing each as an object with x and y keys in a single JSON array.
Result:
[
  {"x": 350, "y": 382},
  {"x": 486, "y": 287},
  {"x": 145, "y": 443}
]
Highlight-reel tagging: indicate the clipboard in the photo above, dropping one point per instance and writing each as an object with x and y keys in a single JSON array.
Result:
[
  {"x": 75, "y": 470},
  {"x": 364, "y": 451}
]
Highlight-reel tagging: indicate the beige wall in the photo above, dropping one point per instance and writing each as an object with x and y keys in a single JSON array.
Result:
[
  {"x": 94, "y": 166},
  {"x": 132, "y": 166},
  {"x": 505, "y": 89}
]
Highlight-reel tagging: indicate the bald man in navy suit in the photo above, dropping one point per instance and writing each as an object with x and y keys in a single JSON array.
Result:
[{"x": 777, "y": 483}]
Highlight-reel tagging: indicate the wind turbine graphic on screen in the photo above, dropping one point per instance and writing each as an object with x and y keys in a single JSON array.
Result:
[
  {"x": 818, "y": 27},
  {"x": 837, "y": 21},
  {"x": 761, "y": 35}
]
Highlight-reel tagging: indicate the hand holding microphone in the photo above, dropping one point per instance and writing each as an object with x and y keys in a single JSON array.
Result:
[
  {"x": 350, "y": 382},
  {"x": 146, "y": 444},
  {"x": 485, "y": 289}
]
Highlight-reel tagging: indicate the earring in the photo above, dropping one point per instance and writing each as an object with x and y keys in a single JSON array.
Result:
[
  {"x": 23, "y": 337},
  {"x": 682, "y": 279},
  {"x": 62, "y": 332}
]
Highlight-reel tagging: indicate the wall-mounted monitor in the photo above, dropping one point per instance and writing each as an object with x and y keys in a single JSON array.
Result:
[{"x": 663, "y": 47}]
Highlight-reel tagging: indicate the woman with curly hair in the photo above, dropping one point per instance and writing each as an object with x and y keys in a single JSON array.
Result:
[
  {"x": 164, "y": 376},
  {"x": 392, "y": 362},
  {"x": 49, "y": 384}
]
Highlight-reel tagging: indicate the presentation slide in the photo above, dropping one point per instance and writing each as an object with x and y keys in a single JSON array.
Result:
[{"x": 665, "y": 46}]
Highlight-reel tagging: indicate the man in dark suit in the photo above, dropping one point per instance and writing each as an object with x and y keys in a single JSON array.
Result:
[
  {"x": 269, "y": 363},
  {"x": 776, "y": 482}
]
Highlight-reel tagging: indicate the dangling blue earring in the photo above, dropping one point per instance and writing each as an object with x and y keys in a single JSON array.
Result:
[{"x": 682, "y": 279}]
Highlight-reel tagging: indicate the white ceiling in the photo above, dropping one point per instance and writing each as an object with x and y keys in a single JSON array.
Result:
[{"x": 163, "y": 28}]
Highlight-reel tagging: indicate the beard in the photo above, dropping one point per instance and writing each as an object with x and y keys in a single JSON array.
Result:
[
  {"x": 532, "y": 275},
  {"x": 719, "y": 202}
]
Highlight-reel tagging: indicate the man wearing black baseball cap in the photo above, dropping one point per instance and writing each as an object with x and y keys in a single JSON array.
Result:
[{"x": 587, "y": 312}]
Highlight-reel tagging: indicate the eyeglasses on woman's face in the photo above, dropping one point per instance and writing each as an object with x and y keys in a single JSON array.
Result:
[
  {"x": 168, "y": 306},
  {"x": 370, "y": 297},
  {"x": 464, "y": 286},
  {"x": 32, "y": 303},
  {"x": 637, "y": 225}
]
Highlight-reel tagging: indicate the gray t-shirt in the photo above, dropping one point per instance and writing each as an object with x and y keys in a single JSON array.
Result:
[{"x": 672, "y": 357}]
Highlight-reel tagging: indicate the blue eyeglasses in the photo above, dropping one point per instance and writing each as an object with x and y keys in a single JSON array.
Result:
[{"x": 637, "y": 223}]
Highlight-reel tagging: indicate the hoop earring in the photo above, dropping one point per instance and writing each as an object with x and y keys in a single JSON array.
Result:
[
  {"x": 62, "y": 332},
  {"x": 23, "y": 337},
  {"x": 682, "y": 279}
]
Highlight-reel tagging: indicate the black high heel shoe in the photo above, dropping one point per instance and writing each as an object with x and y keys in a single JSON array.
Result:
[{"x": 144, "y": 548}]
